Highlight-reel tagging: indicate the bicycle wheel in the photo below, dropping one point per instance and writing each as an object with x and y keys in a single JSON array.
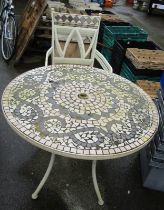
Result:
[{"x": 9, "y": 37}]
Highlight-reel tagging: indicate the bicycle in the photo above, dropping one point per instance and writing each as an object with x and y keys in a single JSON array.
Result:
[{"x": 8, "y": 28}]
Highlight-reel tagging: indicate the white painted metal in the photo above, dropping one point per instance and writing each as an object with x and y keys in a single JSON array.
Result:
[
  {"x": 65, "y": 27},
  {"x": 45, "y": 177},
  {"x": 48, "y": 171},
  {"x": 100, "y": 200},
  {"x": 49, "y": 52},
  {"x": 103, "y": 62},
  {"x": 79, "y": 32}
]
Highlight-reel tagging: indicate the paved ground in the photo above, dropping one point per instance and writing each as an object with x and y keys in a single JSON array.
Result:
[
  {"x": 70, "y": 185},
  {"x": 153, "y": 24}
]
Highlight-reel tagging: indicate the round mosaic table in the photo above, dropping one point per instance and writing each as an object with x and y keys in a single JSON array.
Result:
[{"x": 79, "y": 112}]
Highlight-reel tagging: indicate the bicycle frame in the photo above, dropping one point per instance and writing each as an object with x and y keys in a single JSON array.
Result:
[{"x": 7, "y": 9}]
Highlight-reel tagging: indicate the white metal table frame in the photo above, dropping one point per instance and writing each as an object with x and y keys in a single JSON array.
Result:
[
  {"x": 48, "y": 171},
  {"x": 142, "y": 120}
]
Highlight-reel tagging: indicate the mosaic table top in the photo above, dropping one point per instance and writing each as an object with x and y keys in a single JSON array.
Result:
[{"x": 80, "y": 112}]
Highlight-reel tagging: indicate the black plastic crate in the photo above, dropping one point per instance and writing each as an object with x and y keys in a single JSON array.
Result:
[
  {"x": 157, "y": 154},
  {"x": 161, "y": 105},
  {"x": 119, "y": 51},
  {"x": 152, "y": 173},
  {"x": 152, "y": 156},
  {"x": 152, "y": 159},
  {"x": 158, "y": 141}
]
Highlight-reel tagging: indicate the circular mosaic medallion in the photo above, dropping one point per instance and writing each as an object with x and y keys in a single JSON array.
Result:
[{"x": 80, "y": 112}]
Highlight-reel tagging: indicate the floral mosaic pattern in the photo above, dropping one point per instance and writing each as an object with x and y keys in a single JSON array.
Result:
[{"x": 80, "y": 111}]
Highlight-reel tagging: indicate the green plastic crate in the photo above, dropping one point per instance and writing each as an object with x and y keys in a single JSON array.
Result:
[
  {"x": 106, "y": 53},
  {"x": 128, "y": 74},
  {"x": 132, "y": 33}
]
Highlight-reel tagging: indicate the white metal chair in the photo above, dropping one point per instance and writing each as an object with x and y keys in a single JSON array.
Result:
[{"x": 79, "y": 30}]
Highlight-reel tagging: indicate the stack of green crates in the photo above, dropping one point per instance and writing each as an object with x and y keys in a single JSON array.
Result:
[
  {"x": 127, "y": 73},
  {"x": 112, "y": 33},
  {"x": 131, "y": 33}
]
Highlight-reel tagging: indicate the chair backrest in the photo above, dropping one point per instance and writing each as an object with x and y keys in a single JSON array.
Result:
[{"x": 74, "y": 38}]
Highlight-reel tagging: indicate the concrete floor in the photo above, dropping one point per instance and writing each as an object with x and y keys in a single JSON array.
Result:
[
  {"x": 153, "y": 24},
  {"x": 70, "y": 185}
]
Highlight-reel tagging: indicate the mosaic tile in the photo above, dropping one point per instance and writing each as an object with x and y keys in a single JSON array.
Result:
[
  {"x": 42, "y": 141},
  {"x": 122, "y": 149},
  {"x": 112, "y": 151},
  {"x": 48, "y": 143},
  {"x": 80, "y": 110}
]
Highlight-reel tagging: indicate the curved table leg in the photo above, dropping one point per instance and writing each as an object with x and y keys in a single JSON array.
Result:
[
  {"x": 100, "y": 200},
  {"x": 45, "y": 177}
]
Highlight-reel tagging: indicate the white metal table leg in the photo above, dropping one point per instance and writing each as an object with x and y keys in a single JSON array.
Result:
[
  {"x": 45, "y": 177},
  {"x": 100, "y": 200}
]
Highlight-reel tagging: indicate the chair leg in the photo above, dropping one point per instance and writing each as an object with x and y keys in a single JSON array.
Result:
[
  {"x": 100, "y": 200},
  {"x": 45, "y": 177}
]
